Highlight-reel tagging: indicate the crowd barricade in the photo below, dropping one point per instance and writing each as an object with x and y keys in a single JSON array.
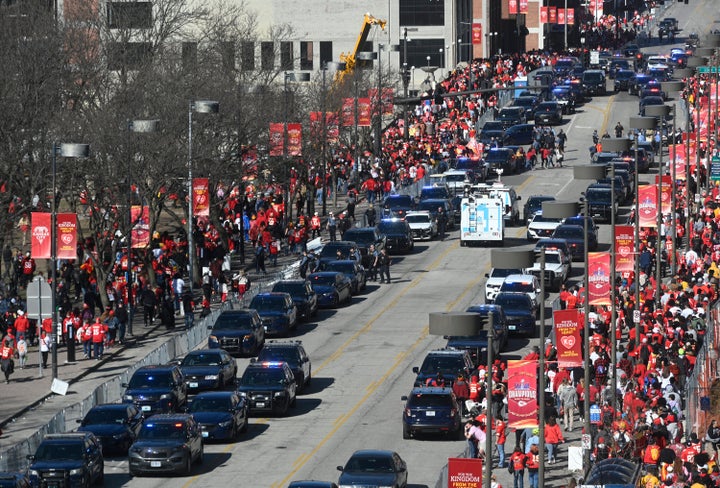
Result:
[{"x": 698, "y": 385}]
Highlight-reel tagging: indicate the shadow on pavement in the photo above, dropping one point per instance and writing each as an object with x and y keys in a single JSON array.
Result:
[{"x": 318, "y": 384}]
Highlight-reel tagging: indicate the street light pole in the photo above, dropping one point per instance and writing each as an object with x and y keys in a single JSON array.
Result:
[
  {"x": 201, "y": 107},
  {"x": 64, "y": 151},
  {"x": 336, "y": 67}
]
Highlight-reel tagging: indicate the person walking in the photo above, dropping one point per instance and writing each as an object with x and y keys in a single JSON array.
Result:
[
  {"x": 189, "y": 307},
  {"x": 370, "y": 215},
  {"x": 517, "y": 462},
  {"x": 260, "y": 259},
  {"x": 122, "y": 317},
  {"x": 315, "y": 225},
  {"x": 384, "y": 266},
  {"x": 532, "y": 463},
  {"x": 500, "y": 439},
  {"x": 98, "y": 333},
  {"x": 352, "y": 195},
  {"x": 568, "y": 403},
  {"x": 332, "y": 227},
  {"x": 149, "y": 302},
  {"x": 442, "y": 221},
  {"x": 553, "y": 437},
  {"x": 619, "y": 130},
  {"x": 85, "y": 334},
  {"x": 7, "y": 351},
  {"x": 374, "y": 261},
  {"x": 45, "y": 341}
]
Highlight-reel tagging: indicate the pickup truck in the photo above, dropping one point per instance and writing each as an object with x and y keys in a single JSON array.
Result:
[{"x": 557, "y": 268}]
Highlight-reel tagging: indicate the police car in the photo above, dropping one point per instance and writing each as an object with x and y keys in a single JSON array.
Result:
[{"x": 268, "y": 386}]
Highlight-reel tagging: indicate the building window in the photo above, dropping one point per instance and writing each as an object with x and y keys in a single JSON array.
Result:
[
  {"x": 287, "y": 63},
  {"x": 422, "y": 12},
  {"x": 326, "y": 54},
  {"x": 306, "y": 55},
  {"x": 227, "y": 52},
  {"x": 267, "y": 56},
  {"x": 127, "y": 55},
  {"x": 419, "y": 49},
  {"x": 189, "y": 55},
  {"x": 248, "y": 56},
  {"x": 368, "y": 47},
  {"x": 129, "y": 15}
]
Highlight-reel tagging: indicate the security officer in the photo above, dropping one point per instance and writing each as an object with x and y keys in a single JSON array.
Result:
[
  {"x": 370, "y": 215},
  {"x": 441, "y": 223}
]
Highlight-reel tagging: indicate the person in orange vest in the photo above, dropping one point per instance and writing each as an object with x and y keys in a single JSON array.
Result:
[
  {"x": 98, "y": 331},
  {"x": 22, "y": 325},
  {"x": 86, "y": 335},
  {"x": 315, "y": 226},
  {"x": 7, "y": 351}
]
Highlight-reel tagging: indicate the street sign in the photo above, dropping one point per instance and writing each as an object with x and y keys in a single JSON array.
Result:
[
  {"x": 636, "y": 316},
  {"x": 715, "y": 168},
  {"x": 39, "y": 299},
  {"x": 707, "y": 69},
  {"x": 595, "y": 414},
  {"x": 586, "y": 441},
  {"x": 594, "y": 57}
]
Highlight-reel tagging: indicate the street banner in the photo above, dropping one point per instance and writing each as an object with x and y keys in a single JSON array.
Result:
[
  {"x": 277, "y": 139},
  {"x": 386, "y": 99},
  {"x": 677, "y": 154},
  {"x": 570, "y": 16},
  {"x": 348, "y": 112},
  {"x": 552, "y": 15},
  {"x": 523, "y": 6},
  {"x": 522, "y": 394},
  {"x": 543, "y": 15},
  {"x": 364, "y": 112},
  {"x": 66, "y": 236},
  {"x": 477, "y": 33},
  {"x": 294, "y": 139},
  {"x": 140, "y": 234},
  {"x": 648, "y": 205},
  {"x": 331, "y": 127},
  {"x": 560, "y": 15},
  {"x": 513, "y": 7},
  {"x": 598, "y": 289},
  {"x": 666, "y": 185},
  {"x": 624, "y": 248},
  {"x": 201, "y": 197},
  {"x": 40, "y": 235},
  {"x": 567, "y": 338},
  {"x": 465, "y": 473}
]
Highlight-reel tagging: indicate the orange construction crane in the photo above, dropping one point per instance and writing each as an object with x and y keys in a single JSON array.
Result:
[{"x": 350, "y": 58}]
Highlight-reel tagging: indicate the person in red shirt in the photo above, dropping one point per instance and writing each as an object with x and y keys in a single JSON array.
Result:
[
  {"x": 22, "y": 325},
  {"x": 98, "y": 332},
  {"x": 7, "y": 351},
  {"x": 500, "y": 438},
  {"x": 28, "y": 269}
]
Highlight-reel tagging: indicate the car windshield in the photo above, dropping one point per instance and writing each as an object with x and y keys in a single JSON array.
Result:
[
  {"x": 552, "y": 258},
  {"x": 509, "y": 113},
  {"x": 150, "y": 380},
  {"x": 430, "y": 206},
  {"x": 391, "y": 226},
  {"x": 202, "y": 359},
  {"x": 564, "y": 64},
  {"x": 518, "y": 286},
  {"x": 455, "y": 178},
  {"x": 418, "y": 219},
  {"x": 598, "y": 195},
  {"x": 287, "y": 354},
  {"x": 347, "y": 268},
  {"x": 291, "y": 288},
  {"x": 624, "y": 75},
  {"x": 98, "y": 416},
  {"x": 361, "y": 237},
  {"x": 322, "y": 279},
  {"x": 569, "y": 232},
  {"x": 467, "y": 163},
  {"x": 496, "y": 156},
  {"x": 263, "y": 303},
  {"x": 210, "y": 404},
  {"x": 262, "y": 377},
  {"x": 401, "y": 202},
  {"x": 503, "y": 273},
  {"x": 162, "y": 430},
  {"x": 433, "y": 193},
  {"x": 512, "y": 300},
  {"x": 492, "y": 125},
  {"x": 429, "y": 400},
  {"x": 448, "y": 365},
  {"x": 524, "y": 102},
  {"x": 369, "y": 464},
  {"x": 539, "y": 218},
  {"x": 233, "y": 321},
  {"x": 330, "y": 251},
  {"x": 58, "y": 451},
  {"x": 591, "y": 77}
]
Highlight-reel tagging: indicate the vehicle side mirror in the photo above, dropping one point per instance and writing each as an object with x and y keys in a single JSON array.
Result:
[
  {"x": 339, "y": 468},
  {"x": 415, "y": 370},
  {"x": 124, "y": 385}
]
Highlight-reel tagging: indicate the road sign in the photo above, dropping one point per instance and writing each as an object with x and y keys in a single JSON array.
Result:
[
  {"x": 39, "y": 299},
  {"x": 715, "y": 168},
  {"x": 595, "y": 414},
  {"x": 586, "y": 441},
  {"x": 636, "y": 316},
  {"x": 594, "y": 57},
  {"x": 707, "y": 69}
]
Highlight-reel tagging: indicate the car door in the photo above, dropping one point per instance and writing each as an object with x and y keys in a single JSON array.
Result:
[
  {"x": 400, "y": 469},
  {"x": 304, "y": 361},
  {"x": 195, "y": 438},
  {"x": 93, "y": 454},
  {"x": 180, "y": 387},
  {"x": 134, "y": 420},
  {"x": 292, "y": 385},
  {"x": 229, "y": 368},
  {"x": 292, "y": 310}
]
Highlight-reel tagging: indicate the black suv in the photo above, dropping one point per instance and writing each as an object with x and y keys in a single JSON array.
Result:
[
  {"x": 477, "y": 345},
  {"x": 431, "y": 410},
  {"x": 64, "y": 460},
  {"x": 156, "y": 389},
  {"x": 398, "y": 235},
  {"x": 364, "y": 237},
  {"x": 268, "y": 386},
  {"x": 449, "y": 362},
  {"x": 397, "y": 205},
  {"x": 166, "y": 444},
  {"x": 302, "y": 294},
  {"x": 594, "y": 83},
  {"x": 533, "y": 205},
  {"x": 238, "y": 332},
  {"x": 116, "y": 425},
  {"x": 293, "y": 353}
]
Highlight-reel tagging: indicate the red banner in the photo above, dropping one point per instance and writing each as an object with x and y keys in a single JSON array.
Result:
[
  {"x": 522, "y": 394},
  {"x": 201, "y": 197},
  {"x": 465, "y": 473},
  {"x": 513, "y": 7},
  {"x": 331, "y": 126},
  {"x": 66, "y": 236},
  {"x": 598, "y": 289},
  {"x": 348, "y": 112},
  {"x": 40, "y": 235},
  {"x": 647, "y": 198},
  {"x": 277, "y": 139},
  {"x": 294, "y": 139},
  {"x": 567, "y": 338},
  {"x": 552, "y": 15},
  {"x": 561, "y": 16},
  {"x": 624, "y": 248},
  {"x": 477, "y": 33},
  {"x": 523, "y": 6},
  {"x": 677, "y": 154},
  {"x": 364, "y": 112},
  {"x": 543, "y": 15},
  {"x": 386, "y": 95},
  {"x": 665, "y": 193},
  {"x": 140, "y": 234},
  {"x": 570, "y": 16}
]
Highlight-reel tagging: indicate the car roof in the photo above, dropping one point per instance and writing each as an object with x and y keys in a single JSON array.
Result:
[
  {"x": 484, "y": 307},
  {"x": 341, "y": 261},
  {"x": 75, "y": 436},
  {"x": 431, "y": 390},
  {"x": 169, "y": 417},
  {"x": 292, "y": 282},
  {"x": 157, "y": 367},
  {"x": 111, "y": 406},
  {"x": 274, "y": 343},
  {"x": 326, "y": 273},
  {"x": 267, "y": 365},
  {"x": 373, "y": 452}
]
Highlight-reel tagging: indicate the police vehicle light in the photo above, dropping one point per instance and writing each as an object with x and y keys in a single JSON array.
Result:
[
  {"x": 271, "y": 364},
  {"x": 149, "y": 426},
  {"x": 178, "y": 425}
]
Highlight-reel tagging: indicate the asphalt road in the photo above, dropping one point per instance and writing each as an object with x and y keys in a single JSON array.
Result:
[{"x": 362, "y": 354}]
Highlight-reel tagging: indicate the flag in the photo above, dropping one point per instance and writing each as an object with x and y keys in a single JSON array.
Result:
[
  {"x": 40, "y": 235},
  {"x": 348, "y": 112},
  {"x": 570, "y": 16},
  {"x": 624, "y": 248},
  {"x": 647, "y": 207},
  {"x": 201, "y": 197},
  {"x": 513, "y": 7},
  {"x": 522, "y": 394},
  {"x": 543, "y": 15},
  {"x": 140, "y": 234},
  {"x": 598, "y": 289},
  {"x": 523, "y": 6},
  {"x": 677, "y": 155},
  {"x": 665, "y": 193},
  {"x": 66, "y": 236},
  {"x": 561, "y": 16},
  {"x": 277, "y": 139},
  {"x": 567, "y": 338},
  {"x": 552, "y": 15},
  {"x": 477, "y": 33},
  {"x": 364, "y": 112},
  {"x": 464, "y": 473},
  {"x": 294, "y": 141}
]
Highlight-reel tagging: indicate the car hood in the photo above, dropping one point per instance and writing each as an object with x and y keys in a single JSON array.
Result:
[
  {"x": 231, "y": 332},
  {"x": 367, "y": 479},
  {"x": 103, "y": 430},
  {"x": 510, "y": 313},
  {"x": 147, "y": 392},
  {"x": 271, "y": 313},
  {"x": 211, "y": 417},
  {"x": 249, "y": 388},
  {"x": 199, "y": 370},
  {"x": 57, "y": 465},
  {"x": 166, "y": 443},
  {"x": 323, "y": 288},
  {"x": 420, "y": 225}
]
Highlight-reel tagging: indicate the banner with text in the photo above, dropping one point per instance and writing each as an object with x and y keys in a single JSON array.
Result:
[
  {"x": 66, "y": 236},
  {"x": 522, "y": 394},
  {"x": 40, "y": 235},
  {"x": 331, "y": 127},
  {"x": 624, "y": 248},
  {"x": 364, "y": 112},
  {"x": 348, "y": 112},
  {"x": 294, "y": 139},
  {"x": 140, "y": 234},
  {"x": 277, "y": 139},
  {"x": 465, "y": 473},
  {"x": 665, "y": 193},
  {"x": 201, "y": 197},
  {"x": 567, "y": 338},
  {"x": 570, "y": 16},
  {"x": 543, "y": 15},
  {"x": 598, "y": 289},
  {"x": 648, "y": 205},
  {"x": 387, "y": 95},
  {"x": 677, "y": 154}
]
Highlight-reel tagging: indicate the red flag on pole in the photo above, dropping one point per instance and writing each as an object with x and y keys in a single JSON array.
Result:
[
  {"x": 523, "y": 6},
  {"x": 522, "y": 394},
  {"x": 598, "y": 289},
  {"x": 66, "y": 236},
  {"x": 665, "y": 193},
  {"x": 40, "y": 235},
  {"x": 624, "y": 248},
  {"x": 570, "y": 16},
  {"x": 140, "y": 234},
  {"x": 364, "y": 112},
  {"x": 348, "y": 112},
  {"x": 294, "y": 139},
  {"x": 543, "y": 15},
  {"x": 567, "y": 338},
  {"x": 277, "y": 139},
  {"x": 552, "y": 15},
  {"x": 201, "y": 197},
  {"x": 561, "y": 16},
  {"x": 648, "y": 205},
  {"x": 477, "y": 33},
  {"x": 513, "y": 7}
]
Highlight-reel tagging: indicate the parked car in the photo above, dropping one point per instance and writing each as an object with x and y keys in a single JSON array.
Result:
[
  {"x": 502, "y": 159},
  {"x": 115, "y": 425},
  {"x": 277, "y": 311},
  {"x": 302, "y": 294},
  {"x": 268, "y": 387},
  {"x": 477, "y": 345},
  {"x": 156, "y": 389},
  {"x": 238, "y": 332},
  {"x": 354, "y": 271},
  {"x": 511, "y": 115},
  {"x": 72, "y": 459},
  {"x": 519, "y": 135},
  {"x": 422, "y": 225},
  {"x": 520, "y": 312},
  {"x": 533, "y": 205},
  {"x": 364, "y": 237},
  {"x": 528, "y": 103},
  {"x": 548, "y": 113},
  {"x": 398, "y": 205},
  {"x": 431, "y": 410},
  {"x": 573, "y": 234},
  {"x": 222, "y": 415},
  {"x": 208, "y": 369},
  {"x": 373, "y": 468},
  {"x": 332, "y": 288},
  {"x": 293, "y": 353},
  {"x": 167, "y": 444},
  {"x": 398, "y": 235}
]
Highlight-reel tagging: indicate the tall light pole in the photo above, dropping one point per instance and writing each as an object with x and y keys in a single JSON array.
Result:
[
  {"x": 140, "y": 126},
  {"x": 638, "y": 124},
  {"x": 686, "y": 73},
  {"x": 673, "y": 87},
  {"x": 64, "y": 151},
  {"x": 587, "y": 172},
  {"x": 334, "y": 67},
  {"x": 201, "y": 107}
]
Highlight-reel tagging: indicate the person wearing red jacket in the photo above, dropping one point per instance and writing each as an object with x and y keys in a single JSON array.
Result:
[
  {"x": 553, "y": 437},
  {"x": 98, "y": 330},
  {"x": 22, "y": 325},
  {"x": 532, "y": 463},
  {"x": 7, "y": 351}
]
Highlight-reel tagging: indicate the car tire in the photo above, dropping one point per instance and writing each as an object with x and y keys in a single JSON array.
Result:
[
  {"x": 101, "y": 478},
  {"x": 406, "y": 432}
]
